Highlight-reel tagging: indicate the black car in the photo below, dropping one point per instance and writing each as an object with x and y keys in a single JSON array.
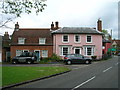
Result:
[
  {"x": 25, "y": 58},
  {"x": 76, "y": 58}
]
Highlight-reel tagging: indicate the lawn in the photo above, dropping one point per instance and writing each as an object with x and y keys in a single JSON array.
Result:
[{"x": 12, "y": 75}]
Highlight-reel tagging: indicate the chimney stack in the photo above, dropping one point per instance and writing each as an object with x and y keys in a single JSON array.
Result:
[
  {"x": 99, "y": 25},
  {"x": 6, "y": 36},
  {"x": 16, "y": 27},
  {"x": 56, "y": 25}
]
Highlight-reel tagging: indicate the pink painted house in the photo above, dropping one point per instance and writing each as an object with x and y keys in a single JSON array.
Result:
[{"x": 78, "y": 40}]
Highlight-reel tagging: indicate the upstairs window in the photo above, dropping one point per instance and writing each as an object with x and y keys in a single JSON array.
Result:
[
  {"x": 42, "y": 40},
  {"x": 89, "y": 39},
  {"x": 77, "y": 38},
  {"x": 21, "y": 40},
  {"x": 65, "y": 38}
]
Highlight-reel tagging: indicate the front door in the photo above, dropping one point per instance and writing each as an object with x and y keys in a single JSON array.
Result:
[
  {"x": 77, "y": 51},
  {"x": 37, "y": 54}
]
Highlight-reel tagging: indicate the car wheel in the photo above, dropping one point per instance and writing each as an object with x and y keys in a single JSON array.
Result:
[
  {"x": 14, "y": 62},
  {"x": 69, "y": 62},
  {"x": 87, "y": 62},
  {"x": 29, "y": 61}
]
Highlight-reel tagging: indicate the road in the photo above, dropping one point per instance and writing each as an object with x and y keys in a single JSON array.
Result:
[{"x": 102, "y": 74}]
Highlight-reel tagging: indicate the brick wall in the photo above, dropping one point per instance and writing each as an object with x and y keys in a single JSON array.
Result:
[{"x": 31, "y": 49}]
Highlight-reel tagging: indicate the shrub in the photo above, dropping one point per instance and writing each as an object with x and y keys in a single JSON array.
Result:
[
  {"x": 94, "y": 57},
  {"x": 55, "y": 57}
]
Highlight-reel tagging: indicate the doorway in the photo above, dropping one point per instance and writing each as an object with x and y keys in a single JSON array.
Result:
[{"x": 77, "y": 51}]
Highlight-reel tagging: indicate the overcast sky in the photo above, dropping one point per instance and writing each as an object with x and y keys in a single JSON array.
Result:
[{"x": 72, "y": 13}]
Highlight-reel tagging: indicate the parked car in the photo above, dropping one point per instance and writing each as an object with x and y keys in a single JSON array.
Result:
[
  {"x": 25, "y": 58},
  {"x": 118, "y": 54},
  {"x": 76, "y": 58}
]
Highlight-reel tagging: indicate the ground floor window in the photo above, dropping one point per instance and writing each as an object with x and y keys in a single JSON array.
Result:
[
  {"x": 44, "y": 53},
  {"x": 64, "y": 50},
  {"x": 89, "y": 50},
  {"x": 19, "y": 52}
]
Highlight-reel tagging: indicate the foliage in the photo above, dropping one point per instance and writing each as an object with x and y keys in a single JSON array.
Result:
[
  {"x": 17, "y": 7},
  {"x": 93, "y": 57},
  {"x": 12, "y": 75},
  {"x": 105, "y": 31},
  {"x": 55, "y": 57}
]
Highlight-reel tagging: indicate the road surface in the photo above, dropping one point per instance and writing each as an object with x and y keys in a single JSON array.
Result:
[{"x": 102, "y": 74}]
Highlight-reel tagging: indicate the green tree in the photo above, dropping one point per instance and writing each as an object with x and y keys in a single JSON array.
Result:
[
  {"x": 105, "y": 31},
  {"x": 11, "y": 9},
  {"x": 17, "y": 7}
]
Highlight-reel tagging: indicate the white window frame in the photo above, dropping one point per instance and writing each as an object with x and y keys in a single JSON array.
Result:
[
  {"x": 45, "y": 54},
  {"x": 19, "y": 52},
  {"x": 63, "y": 38},
  {"x": 61, "y": 50},
  {"x": 75, "y": 38},
  {"x": 21, "y": 40},
  {"x": 77, "y": 48},
  {"x": 25, "y": 50},
  {"x": 92, "y": 50},
  {"x": 44, "y": 41},
  {"x": 86, "y": 39}
]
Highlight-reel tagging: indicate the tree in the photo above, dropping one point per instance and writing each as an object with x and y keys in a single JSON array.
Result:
[
  {"x": 106, "y": 34},
  {"x": 17, "y": 7},
  {"x": 105, "y": 31},
  {"x": 11, "y": 9}
]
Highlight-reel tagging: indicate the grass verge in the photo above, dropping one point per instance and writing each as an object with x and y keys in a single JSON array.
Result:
[{"x": 13, "y": 75}]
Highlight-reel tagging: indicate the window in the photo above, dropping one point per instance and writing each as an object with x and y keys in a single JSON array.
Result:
[
  {"x": 42, "y": 40},
  {"x": 89, "y": 39},
  {"x": 21, "y": 40},
  {"x": 18, "y": 52},
  {"x": 77, "y": 38},
  {"x": 65, "y": 38},
  {"x": 65, "y": 50},
  {"x": 44, "y": 53},
  {"x": 89, "y": 51}
]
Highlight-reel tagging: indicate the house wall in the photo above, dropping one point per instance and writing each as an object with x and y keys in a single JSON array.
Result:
[
  {"x": 31, "y": 49},
  {"x": 96, "y": 41},
  {"x": 107, "y": 46}
]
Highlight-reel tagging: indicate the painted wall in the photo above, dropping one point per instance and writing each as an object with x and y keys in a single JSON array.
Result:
[
  {"x": 107, "y": 46},
  {"x": 96, "y": 40}
]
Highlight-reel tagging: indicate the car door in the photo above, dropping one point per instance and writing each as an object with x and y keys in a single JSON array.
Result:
[
  {"x": 79, "y": 58},
  {"x": 22, "y": 58}
]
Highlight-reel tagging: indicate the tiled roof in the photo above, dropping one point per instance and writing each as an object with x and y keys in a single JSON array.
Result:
[
  {"x": 117, "y": 41},
  {"x": 32, "y": 36},
  {"x": 76, "y": 30}
]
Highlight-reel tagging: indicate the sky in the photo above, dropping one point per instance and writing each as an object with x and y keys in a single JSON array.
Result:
[{"x": 71, "y": 13}]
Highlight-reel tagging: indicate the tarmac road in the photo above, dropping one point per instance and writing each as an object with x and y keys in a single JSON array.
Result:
[{"x": 103, "y": 74}]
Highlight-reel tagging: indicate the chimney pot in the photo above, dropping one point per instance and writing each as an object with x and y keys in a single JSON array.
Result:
[
  {"x": 17, "y": 26},
  {"x": 52, "y": 26}
]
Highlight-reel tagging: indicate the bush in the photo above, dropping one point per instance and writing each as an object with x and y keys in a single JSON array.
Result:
[
  {"x": 55, "y": 57},
  {"x": 94, "y": 57}
]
